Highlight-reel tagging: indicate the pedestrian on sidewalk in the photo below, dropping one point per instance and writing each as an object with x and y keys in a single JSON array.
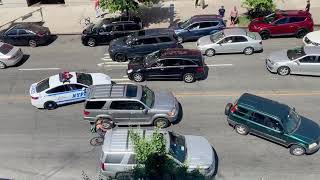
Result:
[
  {"x": 234, "y": 16},
  {"x": 197, "y": 4},
  {"x": 222, "y": 11},
  {"x": 97, "y": 8},
  {"x": 308, "y": 6}
]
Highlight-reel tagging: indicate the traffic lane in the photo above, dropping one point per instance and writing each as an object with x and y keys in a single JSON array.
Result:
[{"x": 247, "y": 157}]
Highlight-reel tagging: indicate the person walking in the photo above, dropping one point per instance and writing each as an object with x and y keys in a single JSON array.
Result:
[
  {"x": 234, "y": 16},
  {"x": 308, "y": 6},
  {"x": 97, "y": 8},
  {"x": 222, "y": 11},
  {"x": 202, "y": 4}
]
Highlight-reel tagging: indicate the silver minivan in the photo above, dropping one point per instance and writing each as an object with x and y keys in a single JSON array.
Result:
[
  {"x": 118, "y": 157},
  {"x": 130, "y": 104}
]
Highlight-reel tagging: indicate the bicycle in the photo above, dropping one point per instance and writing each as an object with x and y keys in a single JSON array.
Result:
[
  {"x": 85, "y": 21},
  {"x": 96, "y": 141}
]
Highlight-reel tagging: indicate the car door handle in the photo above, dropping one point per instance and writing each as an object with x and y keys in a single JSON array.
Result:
[{"x": 161, "y": 69}]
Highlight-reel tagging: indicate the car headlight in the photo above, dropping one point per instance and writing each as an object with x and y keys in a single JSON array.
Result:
[
  {"x": 130, "y": 71},
  {"x": 312, "y": 145}
]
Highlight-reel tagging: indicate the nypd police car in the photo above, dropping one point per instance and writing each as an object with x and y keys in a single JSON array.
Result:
[{"x": 64, "y": 88}]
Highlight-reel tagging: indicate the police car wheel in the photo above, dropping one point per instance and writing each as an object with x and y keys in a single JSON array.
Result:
[{"x": 50, "y": 105}]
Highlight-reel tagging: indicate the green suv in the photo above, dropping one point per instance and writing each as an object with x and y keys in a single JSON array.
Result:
[{"x": 275, "y": 122}]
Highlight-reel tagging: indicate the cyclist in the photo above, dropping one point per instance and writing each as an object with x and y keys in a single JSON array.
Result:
[{"x": 100, "y": 128}]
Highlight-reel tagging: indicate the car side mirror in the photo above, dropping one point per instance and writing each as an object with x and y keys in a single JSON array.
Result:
[
  {"x": 145, "y": 111},
  {"x": 298, "y": 63},
  {"x": 230, "y": 41}
]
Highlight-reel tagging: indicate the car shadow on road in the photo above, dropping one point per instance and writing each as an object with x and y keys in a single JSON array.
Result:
[
  {"x": 52, "y": 39},
  {"x": 23, "y": 60}
]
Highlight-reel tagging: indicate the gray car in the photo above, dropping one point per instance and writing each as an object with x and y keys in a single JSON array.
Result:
[
  {"x": 9, "y": 55},
  {"x": 230, "y": 41},
  {"x": 129, "y": 104},
  {"x": 118, "y": 158},
  {"x": 301, "y": 60}
]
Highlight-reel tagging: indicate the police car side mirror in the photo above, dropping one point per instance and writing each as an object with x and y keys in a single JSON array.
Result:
[{"x": 83, "y": 89}]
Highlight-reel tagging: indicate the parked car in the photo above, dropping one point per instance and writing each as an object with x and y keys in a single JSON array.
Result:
[
  {"x": 23, "y": 34},
  {"x": 275, "y": 122},
  {"x": 301, "y": 60},
  {"x": 9, "y": 55},
  {"x": 128, "y": 104},
  {"x": 312, "y": 39},
  {"x": 185, "y": 64},
  {"x": 280, "y": 23},
  {"x": 230, "y": 41},
  {"x": 118, "y": 157},
  {"x": 142, "y": 43},
  {"x": 64, "y": 88},
  {"x": 198, "y": 26},
  {"x": 108, "y": 29}
]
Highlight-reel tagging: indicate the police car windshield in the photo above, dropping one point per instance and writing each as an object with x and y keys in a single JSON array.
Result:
[
  {"x": 43, "y": 85},
  {"x": 84, "y": 78}
]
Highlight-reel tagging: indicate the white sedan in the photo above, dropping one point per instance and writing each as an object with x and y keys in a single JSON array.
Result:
[
  {"x": 64, "y": 88},
  {"x": 312, "y": 39}
]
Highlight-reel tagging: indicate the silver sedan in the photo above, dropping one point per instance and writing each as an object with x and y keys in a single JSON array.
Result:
[
  {"x": 230, "y": 41},
  {"x": 9, "y": 55},
  {"x": 301, "y": 60}
]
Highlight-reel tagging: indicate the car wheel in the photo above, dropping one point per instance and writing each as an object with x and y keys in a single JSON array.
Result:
[
  {"x": 120, "y": 57},
  {"x": 91, "y": 42},
  {"x": 188, "y": 78},
  {"x": 283, "y": 71},
  {"x": 241, "y": 129},
  {"x": 227, "y": 109},
  {"x": 301, "y": 33},
  {"x": 265, "y": 35},
  {"x": 210, "y": 52},
  {"x": 32, "y": 43},
  {"x": 161, "y": 122},
  {"x": 50, "y": 105},
  {"x": 297, "y": 150},
  {"x": 2, "y": 65},
  {"x": 248, "y": 51},
  {"x": 180, "y": 39},
  {"x": 138, "y": 77}
]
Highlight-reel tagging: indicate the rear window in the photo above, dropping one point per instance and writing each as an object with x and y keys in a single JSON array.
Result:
[
  {"x": 114, "y": 158},
  {"x": 5, "y": 48},
  {"x": 95, "y": 104},
  {"x": 83, "y": 78},
  {"x": 43, "y": 85}
]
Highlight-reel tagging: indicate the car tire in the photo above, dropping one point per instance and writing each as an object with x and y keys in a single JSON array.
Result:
[
  {"x": 241, "y": 129},
  {"x": 264, "y": 35},
  {"x": 91, "y": 42},
  {"x": 2, "y": 65},
  {"x": 210, "y": 52},
  {"x": 283, "y": 71},
  {"x": 137, "y": 77},
  {"x": 32, "y": 43},
  {"x": 180, "y": 39},
  {"x": 301, "y": 33},
  {"x": 297, "y": 150},
  {"x": 119, "y": 57},
  {"x": 227, "y": 109},
  {"x": 50, "y": 105},
  {"x": 188, "y": 78},
  {"x": 161, "y": 122},
  {"x": 248, "y": 51}
]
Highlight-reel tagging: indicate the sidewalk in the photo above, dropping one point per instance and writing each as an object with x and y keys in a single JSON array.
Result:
[{"x": 63, "y": 19}]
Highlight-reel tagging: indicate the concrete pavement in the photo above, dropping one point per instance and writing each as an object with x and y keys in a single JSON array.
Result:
[{"x": 64, "y": 19}]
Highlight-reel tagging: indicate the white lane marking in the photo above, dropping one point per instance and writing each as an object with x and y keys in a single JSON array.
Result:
[
  {"x": 38, "y": 69},
  {"x": 112, "y": 65},
  {"x": 122, "y": 79},
  {"x": 106, "y": 54},
  {"x": 100, "y": 64},
  {"x": 125, "y": 76},
  {"x": 218, "y": 65},
  {"x": 106, "y": 59}
]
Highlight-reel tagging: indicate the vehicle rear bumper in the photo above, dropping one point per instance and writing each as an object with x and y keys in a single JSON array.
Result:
[{"x": 37, "y": 103}]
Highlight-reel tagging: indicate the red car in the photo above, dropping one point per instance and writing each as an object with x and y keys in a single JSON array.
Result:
[{"x": 280, "y": 23}]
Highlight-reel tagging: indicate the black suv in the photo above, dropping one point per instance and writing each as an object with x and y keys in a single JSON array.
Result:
[
  {"x": 142, "y": 43},
  {"x": 172, "y": 63},
  {"x": 110, "y": 28}
]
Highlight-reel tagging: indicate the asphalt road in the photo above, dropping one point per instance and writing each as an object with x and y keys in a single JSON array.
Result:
[{"x": 39, "y": 144}]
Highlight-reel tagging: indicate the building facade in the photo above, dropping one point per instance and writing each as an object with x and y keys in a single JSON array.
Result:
[{"x": 24, "y": 3}]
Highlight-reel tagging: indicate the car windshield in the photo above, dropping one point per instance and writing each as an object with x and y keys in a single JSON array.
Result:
[
  {"x": 147, "y": 96},
  {"x": 42, "y": 85},
  {"x": 5, "y": 48},
  {"x": 295, "y": 53},
  {"x": 216, "y": 37},
  {"x": 292, "y": 121},
  {"x": 184, "y": 24},
  {"x": 84, "y": 78},
  {"x": 270, "y": 18},
  {"x": 178, "y": 147},
  {"x": 151, "y": 58},
  {"x": 98, "y": 24},
  {"x": 251, "y": 34}
]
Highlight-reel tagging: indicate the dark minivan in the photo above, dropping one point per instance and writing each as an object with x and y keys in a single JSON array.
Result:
[
  {"x": 175, "y": 63},
  {"x": 275, "y": 122},
  {"x": 108, "y": 29}
]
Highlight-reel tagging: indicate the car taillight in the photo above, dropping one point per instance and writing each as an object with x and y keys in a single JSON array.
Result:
[
  {"x": 86, "y": 113},
  {"x": 41, "y": 34},
  {"x": 234, "y": 108},
  {"x": 103, "y": 167},
  {"x": 200, "y": 69},
  {"x": 34, "y": 98}
]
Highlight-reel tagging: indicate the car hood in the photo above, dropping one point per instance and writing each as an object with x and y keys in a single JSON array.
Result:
[
  {"x": 199, "y": 152},
  {"x": 279, "y": 56},
  {"x": 100, "y": 78},
  {"x": 258, "y": 22},
  {"x": 175, "y": 26},
  {"x": 205, "y": 40},
  {"x": 164, "y": 100},
  {"x": 308, "y": 130},
  {"x": 88, "y": 29},
  {"x": 314, "y": 36}
]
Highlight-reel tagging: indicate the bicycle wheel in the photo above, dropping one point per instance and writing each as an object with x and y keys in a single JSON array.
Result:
[{"x": 96, "y": 141}]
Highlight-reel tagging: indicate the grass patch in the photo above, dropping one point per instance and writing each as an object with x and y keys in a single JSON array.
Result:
[{"x": 244, "y": 20}]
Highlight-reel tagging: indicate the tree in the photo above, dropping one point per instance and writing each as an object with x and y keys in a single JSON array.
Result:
[
  {"x": 124, "y": 5},
  {"x": 258, "y": 8}
]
